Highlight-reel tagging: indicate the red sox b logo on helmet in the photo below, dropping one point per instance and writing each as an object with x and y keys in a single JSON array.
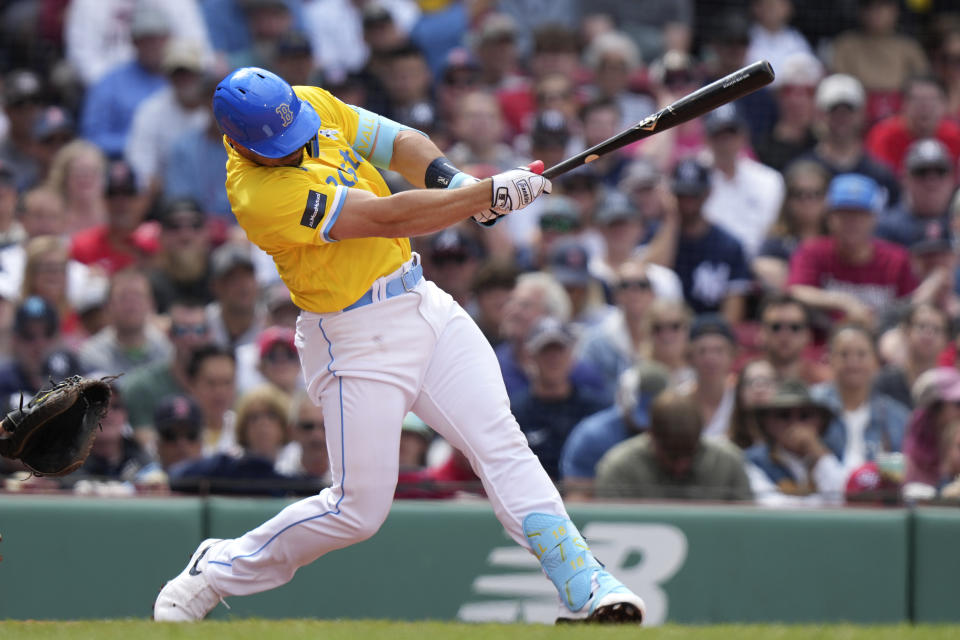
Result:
[{"x": 285, "y": 114}]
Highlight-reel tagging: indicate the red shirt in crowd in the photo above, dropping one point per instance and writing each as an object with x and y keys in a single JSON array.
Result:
[
  {"x": 93, "y": 247},
  {"x": 877, "y": 283},
  {"x": 889, "y": 139}
]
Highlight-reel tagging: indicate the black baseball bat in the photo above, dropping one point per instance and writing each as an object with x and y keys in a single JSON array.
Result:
[{"x": 726, "y": 89}]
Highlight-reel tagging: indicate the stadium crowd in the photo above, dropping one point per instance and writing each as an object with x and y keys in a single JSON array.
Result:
[{"x": 758, "y": 305}]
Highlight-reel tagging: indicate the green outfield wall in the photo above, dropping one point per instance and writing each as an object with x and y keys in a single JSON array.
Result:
[{"x": 72, "y": 557}]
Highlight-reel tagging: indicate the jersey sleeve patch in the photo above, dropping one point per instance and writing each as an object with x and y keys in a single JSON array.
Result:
[{"x": 314, "y": 211}]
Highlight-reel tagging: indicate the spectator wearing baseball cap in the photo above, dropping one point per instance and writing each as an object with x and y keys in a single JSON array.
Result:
[
  {"x": 851, "y": 273},
  {"x": 235, "y": 316},
  {"x": 745, "y": 195},
  {"x": 929, "y": 182},
  {"x": 22, "y": 99},
  {"x": 569, "y": 263},
  {"x": 36, "y": 335},
  {"x": 178, "y": 422},
  {"x": 53, "y": 129},
  {"x": 841, "y": 106},
  {"x": 637, "y": 388},
  {"x": 793, "y": 464},
  {"x": 710, "y": 262},
  {"x": 548, "y": 410},
  {"x": 114, "y": 92},
  {"x": 164, "y": 116},
  {"x": 182, "y": 263},
  {"x": 451, "y": 260},
  {"x": 795, "y": 88},
  {"x": 713, "y": 351},
  {"x": 272, "y": 359},
  {"x": 125, "y": 239}
]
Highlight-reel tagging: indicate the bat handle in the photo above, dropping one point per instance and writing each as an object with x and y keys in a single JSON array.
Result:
[{"x": 536, "y": 166}]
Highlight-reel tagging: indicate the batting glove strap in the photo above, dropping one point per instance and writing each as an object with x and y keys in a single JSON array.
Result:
[
  {"x": 564, "y": 556},
  {"x": 515, "y": 189}
]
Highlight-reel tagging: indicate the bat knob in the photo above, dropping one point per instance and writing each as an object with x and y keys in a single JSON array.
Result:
[{"x": 536, "y": 166}]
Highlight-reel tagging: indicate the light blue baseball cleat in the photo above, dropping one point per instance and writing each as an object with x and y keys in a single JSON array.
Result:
[{"x": 588, "y": 592}]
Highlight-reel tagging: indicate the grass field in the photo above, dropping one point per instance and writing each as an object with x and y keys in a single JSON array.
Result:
[{"x": 386, "y": 630}]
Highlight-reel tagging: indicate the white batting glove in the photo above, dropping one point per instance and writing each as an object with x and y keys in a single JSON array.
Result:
[
  {"x": 486, "y": 218},
  {"x": 515, "y": 189}
]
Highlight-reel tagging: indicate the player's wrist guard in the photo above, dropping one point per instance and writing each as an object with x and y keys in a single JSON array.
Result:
[{"x": 441, "y": 174}]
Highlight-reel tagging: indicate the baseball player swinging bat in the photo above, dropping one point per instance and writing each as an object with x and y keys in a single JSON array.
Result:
[{"x": 726, "y": 89}]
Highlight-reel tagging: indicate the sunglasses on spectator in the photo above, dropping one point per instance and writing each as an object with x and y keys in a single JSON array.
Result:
[
  {"x": 280, "y": 355},
  {"x": 181, "y": 330},
  {"x": 796, "y": 414},
  {"x": 309, "y": 425},
  {"x": 641, "y": 285},
  {"x": 173, "y": 436},
  {"x": 660, "y": 327},
  {"x": 794, "y": 327},
  {"x": 806, "y": 194},
  {"x": 34, "y": 336},
  {"x": 927, "y": 172}
]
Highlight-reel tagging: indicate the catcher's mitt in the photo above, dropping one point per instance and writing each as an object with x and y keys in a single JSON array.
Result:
[{"x": 53, "y": 434}]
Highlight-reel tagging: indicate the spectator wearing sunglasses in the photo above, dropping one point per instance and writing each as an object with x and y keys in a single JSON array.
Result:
[
  {"x": 622, "y": 227},
  {"x": 668, "y": 325},
  {"x": 305, "y": 456},
  {"x": 182, "y": 269},
  {"x": 621, "y": 338},
  {"x": 144, "y": 387},
  {"x": 786, "y": 338},
  {"x": 929, "y": 182},
  {"x": 793, "y": 463},
  {"x": 179, "y": 425}
]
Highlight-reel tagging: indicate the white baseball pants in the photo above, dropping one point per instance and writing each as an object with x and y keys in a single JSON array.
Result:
[{"x": 418, "y": 351}]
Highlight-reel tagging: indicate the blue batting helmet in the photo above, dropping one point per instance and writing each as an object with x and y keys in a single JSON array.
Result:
[{"x": 259, "y": 110}]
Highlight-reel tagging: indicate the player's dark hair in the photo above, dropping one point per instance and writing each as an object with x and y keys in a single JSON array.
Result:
[{"x": 205, "y": 352}]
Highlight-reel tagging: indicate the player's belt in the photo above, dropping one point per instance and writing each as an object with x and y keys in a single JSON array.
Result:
[{"x": 395, "y": 285}]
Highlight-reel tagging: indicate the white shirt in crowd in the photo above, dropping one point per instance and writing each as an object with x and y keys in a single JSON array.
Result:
[
  {"x": 97, "y": 32},
  {"x": 157, "y": 123},
  {"x": 747, "y": 204},
  {"x": 855, "y": 451}
]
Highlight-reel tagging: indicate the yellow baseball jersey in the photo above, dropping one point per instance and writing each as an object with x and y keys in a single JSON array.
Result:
[{"x": 289, "y": 211}]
